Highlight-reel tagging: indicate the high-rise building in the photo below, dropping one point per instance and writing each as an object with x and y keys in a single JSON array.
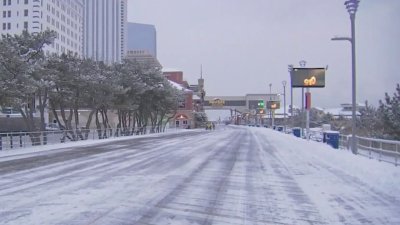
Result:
[
  {"x": 105, "y": 30},
  {"x": 63, "y": 16},
  {"x": 143, "y": 57},
  {"x": 142, "y": 37}
]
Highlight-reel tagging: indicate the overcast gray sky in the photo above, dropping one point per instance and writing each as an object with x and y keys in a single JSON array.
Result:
[{"x": 244, "y": 45}]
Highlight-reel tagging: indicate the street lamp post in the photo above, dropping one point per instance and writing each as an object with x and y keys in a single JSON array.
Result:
[
  {"x": 290, "y": 69},
  {"x": 270, "y": 110},
  {"x": 284, "y": 105},
  {"x": 351, "y": 6}
]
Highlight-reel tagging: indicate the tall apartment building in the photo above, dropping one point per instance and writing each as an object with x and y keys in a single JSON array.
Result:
[
  {"x": 142, "y": 37},
  {"x": 105, "y": 30},
  {"x": 63, "y": 16}
]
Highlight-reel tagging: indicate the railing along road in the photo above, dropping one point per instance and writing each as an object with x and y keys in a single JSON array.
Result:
[
  {"x": 17, "y": 140},
  {"x": 383, "y": 150}
]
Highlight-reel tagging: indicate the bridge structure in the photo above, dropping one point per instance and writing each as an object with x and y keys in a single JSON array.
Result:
[{"x": 244, "y": 109}]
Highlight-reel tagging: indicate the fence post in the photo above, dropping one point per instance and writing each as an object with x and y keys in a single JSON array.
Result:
[
  {"x": 11, "y": 140},
  {"x": 369, "y": 149},
  {"x": 397, "y": 154},
  {"x": 20, "y": 139}
]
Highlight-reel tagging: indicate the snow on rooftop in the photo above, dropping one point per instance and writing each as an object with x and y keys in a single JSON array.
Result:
[
  {"x": 171, "y": 70},
  {"x": 179, "y": 87},
  {"x": 339, "y": 112}
]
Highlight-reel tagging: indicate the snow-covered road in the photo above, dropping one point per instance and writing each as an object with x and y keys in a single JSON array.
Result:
[{"x": 233, "y": 175}]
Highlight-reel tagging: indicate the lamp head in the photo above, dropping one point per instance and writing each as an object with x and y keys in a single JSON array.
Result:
[
  {"x": 290, "y": 68},
  {"x": 351, "y": 6}
]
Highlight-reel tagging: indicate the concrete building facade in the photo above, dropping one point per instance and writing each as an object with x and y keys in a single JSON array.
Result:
[
  {"x": 105, "y": 30},
  {"x": 64, "y": 17}
]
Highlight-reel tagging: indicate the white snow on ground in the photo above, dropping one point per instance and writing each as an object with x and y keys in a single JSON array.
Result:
[
  {"x": 303, "y": 160},
  {"x": 328, "y": 175},
  {"x": 380, "y": 175}
]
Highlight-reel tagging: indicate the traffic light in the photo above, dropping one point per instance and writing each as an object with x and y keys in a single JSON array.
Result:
[{"x": 260, "y": 104}]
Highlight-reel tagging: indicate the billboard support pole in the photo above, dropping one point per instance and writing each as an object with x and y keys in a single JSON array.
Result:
[
  {"x": 302, "y": 112},
  {"x": 273, "y": 118},
  {"x": 308, "y": 108},
  {"x": 302, "y": 64}
]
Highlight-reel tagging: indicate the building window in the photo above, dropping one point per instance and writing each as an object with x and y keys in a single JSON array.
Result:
[
  {"x": 4, "y": 14},
  {"x": 25, "y": 12},
  {"x": 9, "y": 26},
  {"x": 4, "y": 2},
  {"x": 26, "y": 2},
  {"x": 9, "y": 13},
  {"x": 26, "y": 25},
  {"x": 9, "y": 2},
  {"x": 4, "y": 26}
]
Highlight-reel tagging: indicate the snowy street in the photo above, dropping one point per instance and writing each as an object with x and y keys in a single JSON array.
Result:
[{"x": 232, "y": 175}]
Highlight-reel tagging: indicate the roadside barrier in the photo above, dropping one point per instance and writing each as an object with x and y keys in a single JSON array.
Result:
[{"x": 17, "y": 140}]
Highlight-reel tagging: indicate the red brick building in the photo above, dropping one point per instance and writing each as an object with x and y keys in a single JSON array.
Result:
[{"x": 184, "y": 115}]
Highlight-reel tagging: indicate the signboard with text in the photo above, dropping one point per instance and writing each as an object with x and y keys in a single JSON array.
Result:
[
  {"x": 217, "y": 102},
  {"x": 273, "y": 105},
  {"x": 308, "y": 77}
]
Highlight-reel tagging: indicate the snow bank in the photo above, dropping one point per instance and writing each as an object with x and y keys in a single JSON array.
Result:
[{"x": 378, "y": 175}]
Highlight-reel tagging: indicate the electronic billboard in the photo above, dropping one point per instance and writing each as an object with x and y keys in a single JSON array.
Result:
[{"x": 308, "y": 77}]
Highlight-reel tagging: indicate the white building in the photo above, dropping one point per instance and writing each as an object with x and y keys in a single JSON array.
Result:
[
  {"x": 63, "y": 16},
  {"x": 345, "y": 110},
  {"x": 105, "y": 30}
]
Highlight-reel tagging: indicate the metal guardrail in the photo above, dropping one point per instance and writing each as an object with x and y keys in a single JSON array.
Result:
[
  {"x": 383, "y": 150},
  {"x": 17, "y": 140}
]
